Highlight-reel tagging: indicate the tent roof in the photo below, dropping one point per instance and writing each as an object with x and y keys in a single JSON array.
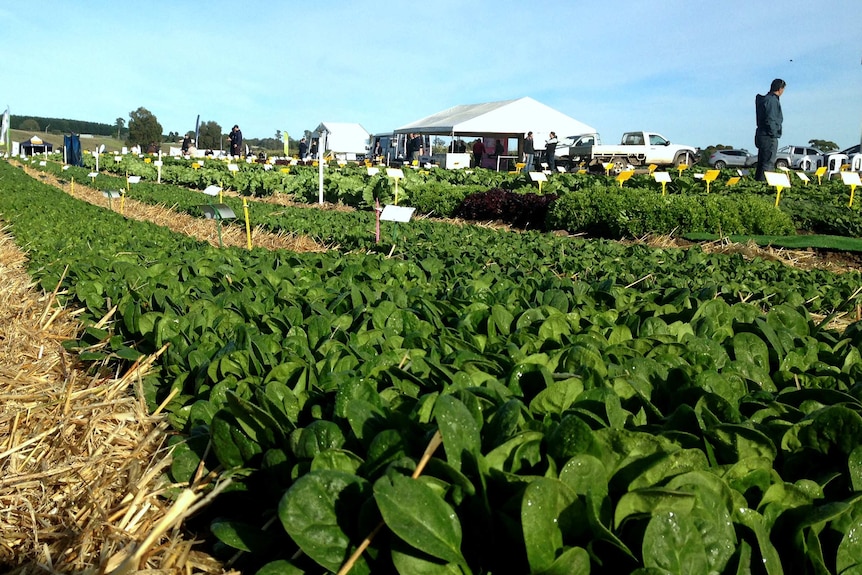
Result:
[
  {"x": 514, "y": 117},
  {"x": 342, "y": 128}
]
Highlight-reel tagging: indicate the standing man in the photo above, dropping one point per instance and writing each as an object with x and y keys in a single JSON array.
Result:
[
  {"x": 529, "y": 153},
  {"x": 303, "y": 149},
  {"x": 478, "y": 152},
  {"x": 414, "y": 147},
  {"x": 769, "y": 120},
  {"x": 551, "y": 151},
  {"x": 235, "y": 138}
]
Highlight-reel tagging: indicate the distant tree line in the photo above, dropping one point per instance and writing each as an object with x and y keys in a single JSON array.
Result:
[
  {"x": 144, "y": 129},
  {"x": 60, "y": 125}
]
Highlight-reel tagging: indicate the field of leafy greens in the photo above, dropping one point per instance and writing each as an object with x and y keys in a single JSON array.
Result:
[
  {"x": 584, "y": 203},
  {"x": 602, "y": 408}
]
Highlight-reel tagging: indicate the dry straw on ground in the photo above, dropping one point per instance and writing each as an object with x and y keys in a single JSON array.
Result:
[{"x": 81, "y": 460}]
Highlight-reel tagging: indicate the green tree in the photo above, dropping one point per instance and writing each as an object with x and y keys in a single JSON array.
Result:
[
  {"x": 172, "y": 136},
  {"x": 30, "y": 125},
  {"x": 278, "y": 135},
  {"x": 209, "y": 136},
  {"x": 119, "y": 123},
  {"x": 824, "y": 145},
  {"x": 144, "y": 129}
]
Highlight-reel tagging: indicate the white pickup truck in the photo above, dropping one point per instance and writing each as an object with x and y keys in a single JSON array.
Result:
[{"x": 635, "y": 149}]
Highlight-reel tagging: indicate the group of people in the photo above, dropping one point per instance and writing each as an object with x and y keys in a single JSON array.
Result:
[
  {"x": 480, "y": 151},
  {"x": 550, "y": 151}
]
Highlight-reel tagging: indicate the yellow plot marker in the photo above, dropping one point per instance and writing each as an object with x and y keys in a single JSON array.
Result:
[
  {"x": 851, "y": 179},
  {"x": 664, "y": 178},
  {"x": 623, "y": 176},
  {"x": 285, "y": 170},
  {"x": 733, "y": 181},
  {"x": 608, "y": 167},
  {"x": 680, "y": 168},
  {"x": 652, "y": 168},
  {"x": 820, "y": 172},
  {"x": 780, "y": 181},
  {"x": 538, "y": 177},
  {"x": 247, "y": 224},
  {"x": 709, "y": 177},
  {"x": 803, "y": 177},
  {"x": 396, "y": 174}
]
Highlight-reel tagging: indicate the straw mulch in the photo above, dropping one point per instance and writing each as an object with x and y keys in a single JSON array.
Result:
[{"x": 81, "y": 461}]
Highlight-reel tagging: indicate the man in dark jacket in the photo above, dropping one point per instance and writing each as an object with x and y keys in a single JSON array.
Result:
[
  {"x": 769, "y": 120},
  {"x": 235, "y": 138}
]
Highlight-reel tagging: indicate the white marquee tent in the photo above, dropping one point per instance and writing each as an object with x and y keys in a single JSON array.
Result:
[{"x": 507, "y": 118}]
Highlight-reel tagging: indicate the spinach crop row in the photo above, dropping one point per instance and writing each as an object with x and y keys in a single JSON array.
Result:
[{"x": 601, "y": 407}]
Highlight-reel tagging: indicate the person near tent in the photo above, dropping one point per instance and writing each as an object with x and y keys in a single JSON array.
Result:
[
  {"x": 551, "y": 151},
  {"x": 529, "y": 152},
  {"x": 478, "y": 152},
  {"x": 377, "y": 151},
  {"x": 499, "y": 150},
  {"x": 303, "y": 149},
  {"x": 235, "y": 138},
  {"x": 187, "y": 141},
  {"x": 414, "y": 147}
]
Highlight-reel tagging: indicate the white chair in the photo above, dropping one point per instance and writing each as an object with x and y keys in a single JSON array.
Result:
[{"x": 835, "y": 163}]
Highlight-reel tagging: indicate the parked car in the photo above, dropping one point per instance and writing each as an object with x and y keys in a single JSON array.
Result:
[
  {"x": 800, "y": 157},
  {"x": 721, "y": 159}
]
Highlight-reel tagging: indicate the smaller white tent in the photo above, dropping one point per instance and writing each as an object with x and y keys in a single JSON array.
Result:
[{"x": 344, "y": 139}]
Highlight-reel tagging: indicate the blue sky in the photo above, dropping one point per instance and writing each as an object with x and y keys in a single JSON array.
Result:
[{"x": 687, "y": 69}]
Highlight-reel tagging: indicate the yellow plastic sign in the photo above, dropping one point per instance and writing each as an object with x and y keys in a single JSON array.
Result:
[
  {"x": 623, "y": 176},
  {"x": 851, "y": 179},
  {"x": 709, "y": 177},
  {"x": 779, "y": 181},
  {"x": 820, "y": 172},
  {"x": 663, "y": 178}
]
